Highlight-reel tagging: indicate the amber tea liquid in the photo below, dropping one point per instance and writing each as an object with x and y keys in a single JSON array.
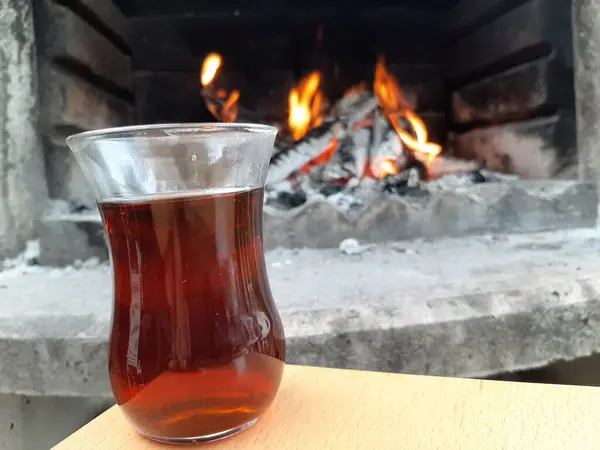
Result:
[{"x": 196, "y": 346}]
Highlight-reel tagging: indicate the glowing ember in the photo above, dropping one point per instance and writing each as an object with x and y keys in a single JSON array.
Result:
[
  {"x": 210, "y": 67},
  {"x": 305, "y": 103},
  {"x": 395, "y": 106},
  {"x": 323, "y": 157},
  {"x": 384, "y": 167}
]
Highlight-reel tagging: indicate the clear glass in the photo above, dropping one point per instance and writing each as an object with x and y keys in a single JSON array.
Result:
[{"x": 196, "y": 347}]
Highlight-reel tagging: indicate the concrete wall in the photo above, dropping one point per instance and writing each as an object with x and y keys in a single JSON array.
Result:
[{"x": 23, "y": 188}]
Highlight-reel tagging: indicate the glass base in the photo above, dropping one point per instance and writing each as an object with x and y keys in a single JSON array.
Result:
[{"x": 207, "y": 438}]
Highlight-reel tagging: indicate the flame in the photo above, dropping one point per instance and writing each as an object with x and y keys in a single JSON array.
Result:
[
  {"x": 220, "y": 103},
  {"x": 210, "y": 67},
  {"x": 396, "y": 106},
  {"x": 383, "y": 167},
  {"x": 306, "y": 104},
  {"x": 387, "y": 90},
  {"x": 420, "y": 146},
  {"x": 229, "y": 110}
]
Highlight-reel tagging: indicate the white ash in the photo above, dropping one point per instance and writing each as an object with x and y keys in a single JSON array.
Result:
[
  {"x": 345, "y": 201},
  {"x": 351, "y": 247}
]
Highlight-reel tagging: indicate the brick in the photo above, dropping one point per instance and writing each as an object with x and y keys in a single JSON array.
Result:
[
  {"x": 521, "y": 92},
  {"x": 63, "y": 35},
  {"x": 537, "y": 26}
]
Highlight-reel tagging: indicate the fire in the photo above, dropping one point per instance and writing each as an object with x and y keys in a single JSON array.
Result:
[
  {"x": 323, "y": 157},
  {"x": 421, "y": 147},
  {"x": 220, "y": 103},
  {"x": 306, "y": 103},
  {"x": 385, "y": 167},
  {"x": 307, "y": 106},
  {"x": 210, "y": 67},
  {"x": 387, "y": 90},
  {"x": 395, "y": 106}
]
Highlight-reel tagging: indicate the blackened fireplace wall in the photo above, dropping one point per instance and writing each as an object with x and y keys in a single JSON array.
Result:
[{"x": 493, "y": 79}]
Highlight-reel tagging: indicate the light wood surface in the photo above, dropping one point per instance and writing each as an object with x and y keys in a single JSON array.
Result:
[{"x": 319, "y": 409}]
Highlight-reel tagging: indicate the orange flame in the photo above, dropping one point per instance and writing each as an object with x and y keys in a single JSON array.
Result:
[
  {"x": 387, "y": 90},
  {"x": 421, "y": 147},
  {"x": 385, "y": 167},
  {"x": 395, "y": 106},
  {"x": 210, "y": 67},
  {"x": 222, "y": 105},
  {"x": 306, "y": 103}
]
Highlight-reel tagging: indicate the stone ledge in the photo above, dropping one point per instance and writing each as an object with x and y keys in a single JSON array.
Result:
[
  {"x": 467, "y": 307},
  {"x": 509, "y": 207}
]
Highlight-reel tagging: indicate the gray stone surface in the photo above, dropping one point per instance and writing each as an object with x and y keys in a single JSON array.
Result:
[
  {"x": 469, "y": 307},
  {"x": 66, "y": 237},
  {"x": 586, "y": 26},
  {"x": 63, "y": 34},
  {"x": 23, "y": 189},
  {"x": 72, "y": 104},
  {"x": 65, "y": 178},
  {"x": 64, "y": 242},
  {"x": 110, "y": 15},
  {"x": 513, "y": 207}
]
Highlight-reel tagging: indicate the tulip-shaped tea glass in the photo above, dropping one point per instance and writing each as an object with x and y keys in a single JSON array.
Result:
[{"x": 196, "y": 347}]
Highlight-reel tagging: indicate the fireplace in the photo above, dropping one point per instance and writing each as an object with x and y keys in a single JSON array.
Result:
[
  {"x": 429, "y": 118},
  {"x": 492, "y": 81}
]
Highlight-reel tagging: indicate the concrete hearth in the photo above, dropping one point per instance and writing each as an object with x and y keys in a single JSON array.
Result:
[
  {"x": 473, "y": 306},
  {"x": 467, "y": 307}
]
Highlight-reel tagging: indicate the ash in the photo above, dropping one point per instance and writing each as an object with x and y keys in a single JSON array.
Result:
[
  {"x": 358, "y": 193},
  {"x": 357, "y": 156}
]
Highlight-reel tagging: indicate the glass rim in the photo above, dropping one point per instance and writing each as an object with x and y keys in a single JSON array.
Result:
[{"x": 183, "y": 129}]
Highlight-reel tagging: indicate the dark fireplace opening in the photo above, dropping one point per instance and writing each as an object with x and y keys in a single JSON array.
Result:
[{"x": 492, "y": 81}]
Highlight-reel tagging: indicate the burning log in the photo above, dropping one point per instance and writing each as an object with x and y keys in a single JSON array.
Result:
[
  {"x": 297, "y": 155},
  {"x": 446, "y": 165},
  {"x": 287, "y": 194},
  {"x": 321, "y": 142},
  {"x": 388, "y": 157},
  {"x": 370, "y": 140},
  {"x": 350, "y": 159},
  {"x": 356, "y": 107},
  {"x": 407, "y": 181}
]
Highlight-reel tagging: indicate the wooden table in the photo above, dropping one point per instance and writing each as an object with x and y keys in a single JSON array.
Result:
[{"x": 319, "y": 409}]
